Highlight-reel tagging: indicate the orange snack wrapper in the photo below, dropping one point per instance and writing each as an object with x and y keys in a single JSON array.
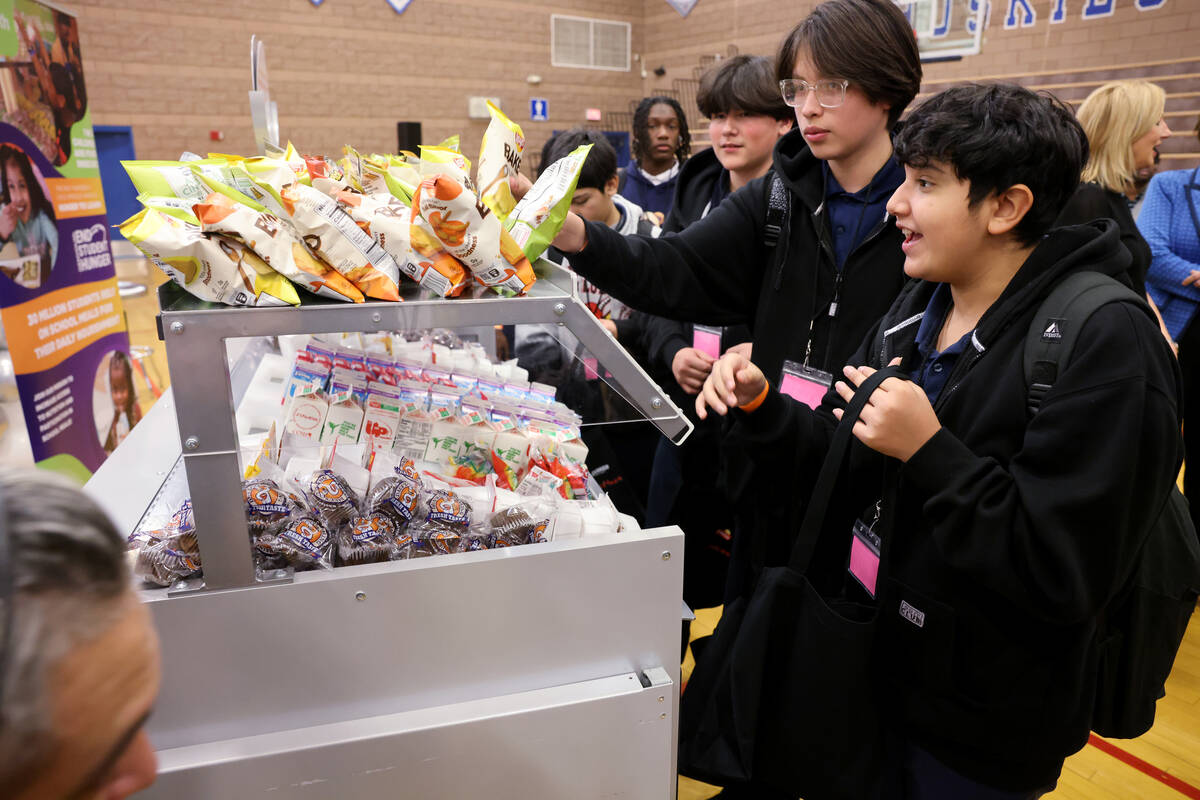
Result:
[{"x": 473, "y": 234}]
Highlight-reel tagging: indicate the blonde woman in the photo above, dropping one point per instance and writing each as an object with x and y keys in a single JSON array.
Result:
[{"x": 1124, "y": 124}]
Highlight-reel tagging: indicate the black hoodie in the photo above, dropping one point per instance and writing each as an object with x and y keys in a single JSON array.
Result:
[
  {"x": 1008, "y": 534},
  {"x": 720, "y": 271}
]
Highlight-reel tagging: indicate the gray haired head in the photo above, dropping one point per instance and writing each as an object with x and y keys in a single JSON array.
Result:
[{"x": 68, "y": 578}]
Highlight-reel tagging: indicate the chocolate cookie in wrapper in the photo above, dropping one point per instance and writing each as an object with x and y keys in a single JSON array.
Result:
[
  {"x": 539, "y": 534},
  {"x": 402, "y": 546},
  {"x": 367, "y": 539},
  {"x": 408, "y": 469},
  {"x": 167, "y": 560},
  {"x": 267, "y": 555},
  {"x": 397, "y": 497},
  {"x": 266, "y": 504},
  {"x": 510, "y": 527},
  {"x": 441, "y": 542},
  {"x": 305, "y": 543},
  {"x": 473, "y": 543},
  {"x": 447, "y": 510},
  {"x": 332, "y": 498}
]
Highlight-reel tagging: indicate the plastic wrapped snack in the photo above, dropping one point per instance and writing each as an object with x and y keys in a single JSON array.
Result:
[
  {"x": 366, "y": 539},
  {"x": 267, "y": 506},
  {"x": 277, "y": 243},
  {"x": 387, "y": 219},
  {"x": 396, "y": 497},
  {"x": 181, "y": 179},
  {"x": 473, "y": 235},
  {"x": 332, "y": 498},
  {"x": 499, "y": 157},
  {"x": 211, "y": 267},
  {"x": 167, "y": 553},
  {"x": 429, "y": 263},
  {"x": 445, "y": 161},
  {"x": 444, "y": 522},
  {"x": 303, "y": 542},
  {"x": 539, "y": 216},
  {"x": 334, "y": 236}
]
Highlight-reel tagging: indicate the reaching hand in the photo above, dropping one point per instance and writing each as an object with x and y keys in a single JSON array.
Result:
[
  {"x": 609, "y": 326},
  {"x": 898, "y": 419},
  {"x": 690, "y": 367},
  {"x": 8, "y": 221},
  {"x": 734, "y": 381}
]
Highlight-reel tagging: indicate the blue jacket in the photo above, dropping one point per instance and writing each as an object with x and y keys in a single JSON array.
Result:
[
  {"x": 1170, "y": 222},
  {"x": 637, "y": 189}
]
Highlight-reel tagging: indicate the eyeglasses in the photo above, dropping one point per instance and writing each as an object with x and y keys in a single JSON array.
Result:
[{"x": 830, "y": 93}]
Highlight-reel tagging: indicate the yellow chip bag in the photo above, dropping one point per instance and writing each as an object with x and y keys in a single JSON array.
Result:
[
  {"x": 275, "y": 240},
  {"x": 539, "y": 216},
  {"x": 212, "y": 267},
  {"x": 499, "y": 157},
  {"x": 442, "y": 161},
  {"x": 472, "y": 234}
]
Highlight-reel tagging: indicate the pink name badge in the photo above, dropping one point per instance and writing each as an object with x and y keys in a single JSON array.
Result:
[
  {"x": 707, "y": 340},
  {"x": 803, "y": 389},
  {"x": 864, "y": 557},
  {"x": 589, "y": 368}
]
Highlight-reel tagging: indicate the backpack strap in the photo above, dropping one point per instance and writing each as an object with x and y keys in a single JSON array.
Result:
[
  {"x": 778, "y": 203},
  {"x": 1057, "y": 323}
]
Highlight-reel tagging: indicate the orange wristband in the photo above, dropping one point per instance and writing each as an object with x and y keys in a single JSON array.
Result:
[{"x": 758, "y": 401}]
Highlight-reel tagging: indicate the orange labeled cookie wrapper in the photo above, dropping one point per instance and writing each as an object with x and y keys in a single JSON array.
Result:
[
  {"x": 276, "y": 242},
  {"x": 432, "y": 266},
  {"x": 473, "y": 234},
  {"x": 331, "y": 233}
]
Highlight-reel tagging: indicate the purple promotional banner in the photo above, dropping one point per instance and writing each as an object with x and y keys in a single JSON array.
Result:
[{"x": 61, "y": 314}]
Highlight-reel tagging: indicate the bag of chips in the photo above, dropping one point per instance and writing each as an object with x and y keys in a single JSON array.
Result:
[
  {"x": 499, "y": 157},
  {"x": 275, "y": 241},
  {"x": 212, "y": 267},
  {"x": 473, "y": 234},
  {"x": 539, "y": 216}
]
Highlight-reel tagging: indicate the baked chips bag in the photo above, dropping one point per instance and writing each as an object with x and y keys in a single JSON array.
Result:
[
  {"x": 472, "y": 234},
  {"x": 499, "y": 157}
]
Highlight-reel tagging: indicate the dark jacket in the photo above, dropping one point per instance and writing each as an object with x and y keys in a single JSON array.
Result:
[
  {"x": 1008, "y": 535},
  {"x": 720, "y": 271},
  {"x": 1092, "y": 201},
  {"x": 663, "y": 338},
  {"x": 635, "y": 187}
]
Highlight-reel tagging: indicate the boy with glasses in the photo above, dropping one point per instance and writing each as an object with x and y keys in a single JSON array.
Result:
[{"x": 809, "y": 271}]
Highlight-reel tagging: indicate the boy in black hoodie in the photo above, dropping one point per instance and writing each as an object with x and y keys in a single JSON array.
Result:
[{"x": 1009, "y": 533}]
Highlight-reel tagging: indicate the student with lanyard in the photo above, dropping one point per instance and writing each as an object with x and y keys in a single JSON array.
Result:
[
  {"x": 747, "y": 116},
  {"x": 768, "y": 256}
]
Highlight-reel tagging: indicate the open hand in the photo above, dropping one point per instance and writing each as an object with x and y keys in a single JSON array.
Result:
[
  {"x": 898, "y": 419},
  {"x": 734, "y": 381}
]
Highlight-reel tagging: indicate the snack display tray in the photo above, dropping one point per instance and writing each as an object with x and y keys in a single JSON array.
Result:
[
  {"x": 544, "y": 671},
  {"x": 206, "y": 389}
]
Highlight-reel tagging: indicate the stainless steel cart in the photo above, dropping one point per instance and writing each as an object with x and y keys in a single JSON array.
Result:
[{"x": 547, "y": 671}]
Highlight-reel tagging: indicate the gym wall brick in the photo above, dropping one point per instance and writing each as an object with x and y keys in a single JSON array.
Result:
[{"x": 348, "y": 70}]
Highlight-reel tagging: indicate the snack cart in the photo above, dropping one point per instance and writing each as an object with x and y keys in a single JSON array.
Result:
[{"x": 541, "y": 671}]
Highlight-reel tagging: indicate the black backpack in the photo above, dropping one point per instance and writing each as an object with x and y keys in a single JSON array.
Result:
[{"x": 1142, "y": 627}]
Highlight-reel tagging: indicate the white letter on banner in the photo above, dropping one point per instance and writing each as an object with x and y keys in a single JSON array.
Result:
[{"x": 1027, "y": 20}]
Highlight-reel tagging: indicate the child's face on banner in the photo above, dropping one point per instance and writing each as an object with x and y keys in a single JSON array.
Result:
[
  {"x": 119, "y": 378},
  {"x": 18, "y": 191}
]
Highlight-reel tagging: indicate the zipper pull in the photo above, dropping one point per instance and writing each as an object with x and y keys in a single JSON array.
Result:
[{"x": 837, "y": 293}]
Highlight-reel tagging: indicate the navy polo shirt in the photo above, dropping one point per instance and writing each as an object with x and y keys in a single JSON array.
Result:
[
  {"x": 849, "y": 221},
  {"x": 935, "y": 368}
]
